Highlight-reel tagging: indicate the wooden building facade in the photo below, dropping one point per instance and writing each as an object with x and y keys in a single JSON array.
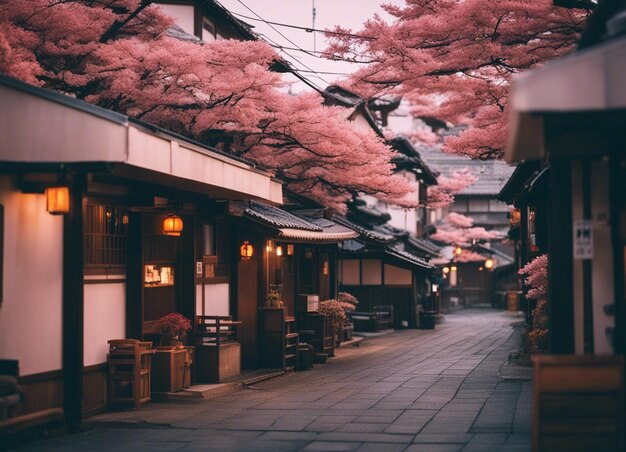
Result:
[{"x": 143, "y": 230}]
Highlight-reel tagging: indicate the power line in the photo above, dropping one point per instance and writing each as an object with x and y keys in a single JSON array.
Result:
[
  {"x": 325, "y": 73},
  {"x": 322, "y": 54},
  {"x": 289, "y": 40},
  {"x": 307, "y": 29}
]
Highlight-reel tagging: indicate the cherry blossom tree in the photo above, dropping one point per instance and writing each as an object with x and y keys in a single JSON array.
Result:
[
  {"x": 442, "y": 194},
  {"x": 122, "y": 55},
  {"x": 535, "y": 275},
  {"x": 457, "y": 229},
  {"x": 454, "y": 59}
]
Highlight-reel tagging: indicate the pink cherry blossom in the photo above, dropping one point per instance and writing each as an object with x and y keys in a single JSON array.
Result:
[
  {"x": 454, "y": 59},
  {"x": 120, "y": 55}
]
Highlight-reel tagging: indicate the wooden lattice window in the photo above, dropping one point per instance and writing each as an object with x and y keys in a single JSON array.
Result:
[{"x": 106, "y": 237}]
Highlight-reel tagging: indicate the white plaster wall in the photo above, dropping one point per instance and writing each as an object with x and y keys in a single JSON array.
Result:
[
  {"x": 105, "y": 318},
  {"x": 31, "y": 312},
  {"x": 184, "y": 15},
  {"x": 396, "y": 276},
  {"x": 216, "y": 299}
]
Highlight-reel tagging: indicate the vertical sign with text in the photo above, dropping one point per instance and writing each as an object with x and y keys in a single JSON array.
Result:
[{"x": 583, "y": 239}]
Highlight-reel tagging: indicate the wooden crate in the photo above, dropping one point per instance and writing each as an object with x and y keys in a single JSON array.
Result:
[{"x": 578, "y": 403}]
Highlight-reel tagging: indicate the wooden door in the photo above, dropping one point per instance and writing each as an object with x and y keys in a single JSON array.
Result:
[
  {"x": 247, "y": 310},
  {"x": 159, "y": 296}
]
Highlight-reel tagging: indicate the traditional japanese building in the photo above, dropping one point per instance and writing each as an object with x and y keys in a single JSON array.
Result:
[
  {"x": 568, "y": 116},
  {"x": 108, "y": 224}
]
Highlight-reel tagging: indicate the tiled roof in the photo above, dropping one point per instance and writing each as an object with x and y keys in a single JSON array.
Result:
[
  {"x": 300, "y": 228},
  {"x": 409, "y": 156},
  {"x": 405, "y": 255},
  {"x": 279, "y": 218},
  {"x": 365, "y": 233},
  {"x": 425, "y": 245},
  {"x": 492, "y": 174}
]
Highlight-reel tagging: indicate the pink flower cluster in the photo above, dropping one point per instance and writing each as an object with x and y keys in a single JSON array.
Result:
[
  {"x": 333, "y": 309},
  {"x": 536, "y": 277},
  {"x": 174, "y": 325}
]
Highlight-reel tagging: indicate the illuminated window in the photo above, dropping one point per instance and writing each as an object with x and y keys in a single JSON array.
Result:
[{"x": 106, "y": 236}]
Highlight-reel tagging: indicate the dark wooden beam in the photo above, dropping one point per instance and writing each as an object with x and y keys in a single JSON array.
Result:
[
  {"x": 560, "y": 272},
  {"x": 73, "y": 304},
  {"x": 134, "y": 275}
]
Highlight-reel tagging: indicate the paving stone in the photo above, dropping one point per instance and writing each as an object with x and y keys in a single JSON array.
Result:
[
  {"x": 381, "y": 447},
  {"x": 443, "y": 438},
  {"x": 365, "y": 437},
  {"x": 363, "y": 427},
  {"x": 427, "y": 390},
  {"x": 434, "y": 448},
  {"x": 330, "y": 446}
]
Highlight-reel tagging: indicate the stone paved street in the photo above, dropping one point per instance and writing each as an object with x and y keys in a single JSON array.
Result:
[{"x": 410, "y": 390}]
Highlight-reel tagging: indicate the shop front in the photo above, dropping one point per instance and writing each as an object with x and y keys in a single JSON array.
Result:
[{"x": 109, "y": 224}]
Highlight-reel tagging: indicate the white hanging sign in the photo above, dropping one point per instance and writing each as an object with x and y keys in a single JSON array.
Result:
[{"x": 583, "y": 239}]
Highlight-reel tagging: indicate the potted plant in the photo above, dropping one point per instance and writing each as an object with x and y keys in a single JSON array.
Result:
[
  {"x": 348, "y": 303},
  {"x": 333, "y": 310},
  {"x": 273, "y": 299},
  {"x": 174, "y": 327}
]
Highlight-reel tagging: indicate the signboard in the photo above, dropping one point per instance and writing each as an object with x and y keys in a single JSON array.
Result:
[{"x": 583, "y": 239}]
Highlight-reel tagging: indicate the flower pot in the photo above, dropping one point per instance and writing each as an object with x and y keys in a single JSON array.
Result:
[
  {"x": 427, "y": 320},
  {"x": 171, "y": 342}
]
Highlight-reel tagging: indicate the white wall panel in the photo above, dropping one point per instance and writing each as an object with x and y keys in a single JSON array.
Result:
[
  {"x": 31, "y": 312},
  {"x": 105, "y": 318}
]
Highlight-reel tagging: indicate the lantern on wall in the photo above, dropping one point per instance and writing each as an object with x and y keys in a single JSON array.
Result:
[
  {"x": 172, "y": 225},
  {"x": 290, "y": 250},
  {"x": 279, "y": 250},
  {"x": 445, "y": 270},
  {"x": 246, "y": 250},
  {"x": 453, "y": 268},
  {"x": 458, "y": 250},
  {"x": 515, "y": 217},
  {"x": 489, "y": 263},
  {"x": 57, "y": 200}
]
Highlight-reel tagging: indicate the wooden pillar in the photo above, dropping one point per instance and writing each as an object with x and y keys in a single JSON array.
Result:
[
  {"x": 134, "y": 276},
  {"x": 617, "y": 187},
  {"x": 187, "y": 281},
  {"x": 73, "y": 305},
  {"x": 560, "y": 272}
]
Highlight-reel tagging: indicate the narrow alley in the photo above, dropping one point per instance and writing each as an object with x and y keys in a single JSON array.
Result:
[{"x": 415, "y": 390}]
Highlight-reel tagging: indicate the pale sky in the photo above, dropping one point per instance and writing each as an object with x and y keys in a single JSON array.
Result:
[{"x": 347, "y": 13}]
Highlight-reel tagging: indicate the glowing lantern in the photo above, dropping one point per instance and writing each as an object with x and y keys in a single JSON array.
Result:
[
  {"x": 458, "y": 250},
  {"x": 57, "y": 200},
  {"x": 290, "y": 250},
  {"x": 515, "y": 217},
  {"x": 172, "y": 225},
  {"x": 246, "y": 250},
  {"x": 445, "y": 270},
  {"x": 453, "y": 268},
  {"x": 279, "y": 250},
  {"x": 489, "y": 263}
]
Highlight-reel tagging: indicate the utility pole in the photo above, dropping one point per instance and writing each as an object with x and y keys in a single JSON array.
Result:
[{"x": 313, "y": 26}]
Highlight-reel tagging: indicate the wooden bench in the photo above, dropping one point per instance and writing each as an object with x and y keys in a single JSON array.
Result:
[
  {"x": 380, "y": 318},
  {"x": 16, "y": 427}
]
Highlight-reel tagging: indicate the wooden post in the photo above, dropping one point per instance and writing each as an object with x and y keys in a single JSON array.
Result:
[
  {"x": 134, "y": 276},
  {"x": 560, "y": 273},
  {"x": 73, "y": 305}
]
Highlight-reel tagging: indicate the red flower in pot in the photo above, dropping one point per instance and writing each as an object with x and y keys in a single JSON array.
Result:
[{"x": 174, "y": 328}]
